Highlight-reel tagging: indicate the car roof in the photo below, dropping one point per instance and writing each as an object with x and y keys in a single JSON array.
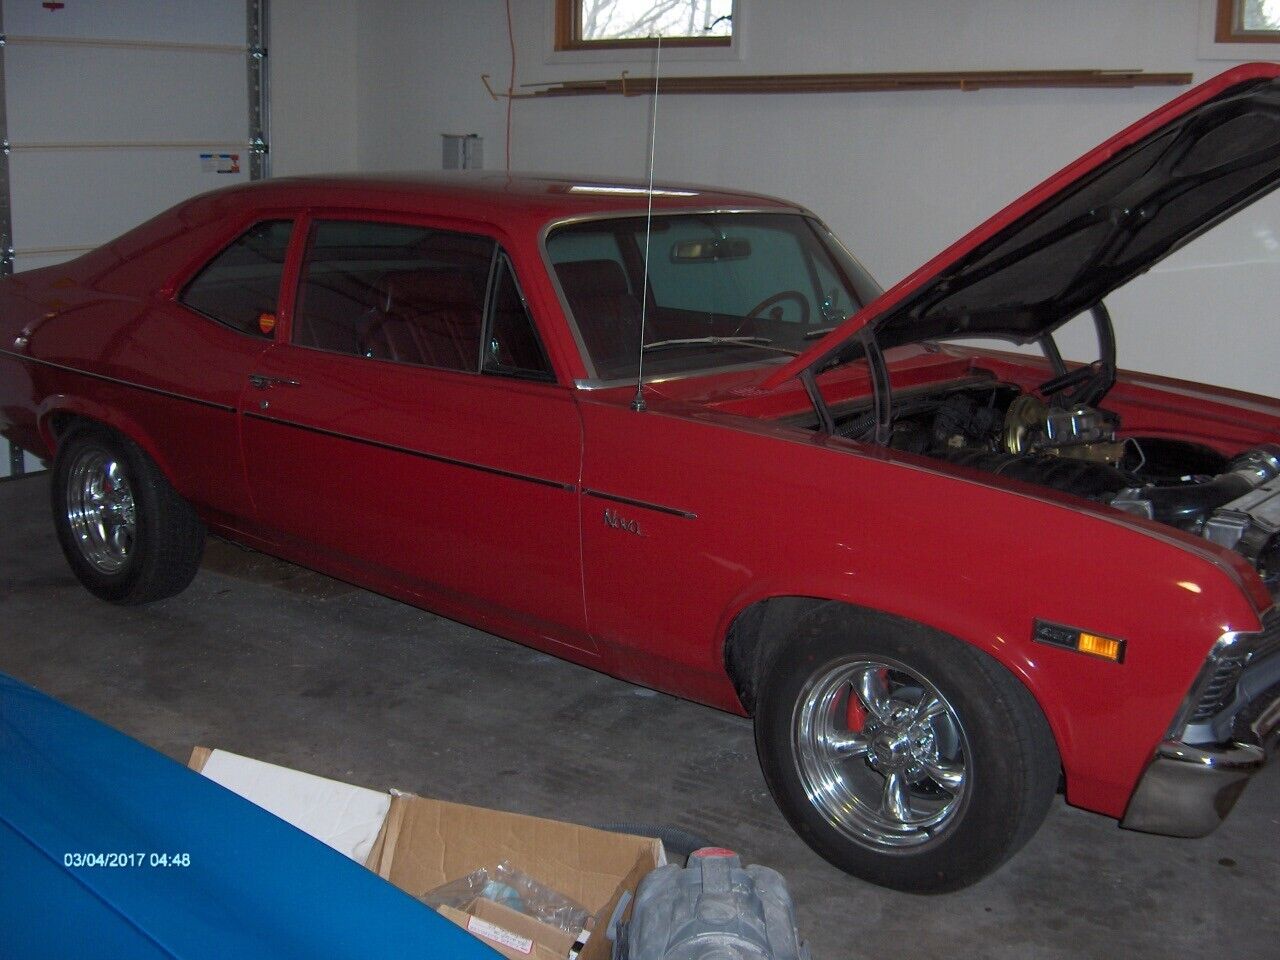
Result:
[{"x": 495, "y": 194}]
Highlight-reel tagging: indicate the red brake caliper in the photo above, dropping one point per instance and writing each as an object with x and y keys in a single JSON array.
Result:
[{"x": 855, "y": 714}]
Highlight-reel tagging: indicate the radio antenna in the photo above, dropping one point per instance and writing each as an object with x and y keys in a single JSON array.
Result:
[{"x": 638, "y": 404}]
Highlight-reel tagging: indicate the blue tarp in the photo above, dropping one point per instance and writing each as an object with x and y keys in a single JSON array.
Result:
[{"x": 254, "y": 886}]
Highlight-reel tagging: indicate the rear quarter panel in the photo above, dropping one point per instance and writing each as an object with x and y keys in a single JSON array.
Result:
[
  {"x": 21, "y": 313},
  {"x": 101, "y": 337}
]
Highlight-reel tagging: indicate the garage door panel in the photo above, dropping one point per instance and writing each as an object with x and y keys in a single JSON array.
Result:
[
  {"x": 87, "y": 197},
  {"x": 166, "y": 78},
  {"x": 34, "y": 261},
  {"x": 60, "y": 94},
  {"x": 173, "y": 21}
]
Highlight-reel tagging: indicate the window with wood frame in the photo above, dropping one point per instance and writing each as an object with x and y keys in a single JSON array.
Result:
[
  {"x": 1248, "y": 21},
  {"x": 621, "y": 24}
]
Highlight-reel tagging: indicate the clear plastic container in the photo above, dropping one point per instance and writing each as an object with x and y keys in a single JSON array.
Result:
[{"x": 515, "y": 889}]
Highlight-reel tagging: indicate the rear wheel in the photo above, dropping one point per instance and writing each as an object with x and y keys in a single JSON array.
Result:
[
  {"x": 127, "y": 534},
  {"x": 903, "y": 756}
]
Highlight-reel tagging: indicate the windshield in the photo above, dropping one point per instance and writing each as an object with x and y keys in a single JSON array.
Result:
[{"x": 725, "y": 289}]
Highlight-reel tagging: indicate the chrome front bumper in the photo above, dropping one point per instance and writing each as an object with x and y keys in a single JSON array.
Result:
[{"x": 1188, "y": 790}]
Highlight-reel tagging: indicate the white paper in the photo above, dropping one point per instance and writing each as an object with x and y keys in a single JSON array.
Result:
[
  {"x": 345, "y": 817},
  {"x": 491, "y": 931}
]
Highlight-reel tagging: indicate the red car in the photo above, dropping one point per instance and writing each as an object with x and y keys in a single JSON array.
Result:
[{"x": 703, "y": 451}]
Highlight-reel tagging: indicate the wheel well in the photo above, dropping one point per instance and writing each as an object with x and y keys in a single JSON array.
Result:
[
  {"x": 61, "y": 422},
  {"x": 761, "y": 628},
  {"x": 754, "y": 634}
]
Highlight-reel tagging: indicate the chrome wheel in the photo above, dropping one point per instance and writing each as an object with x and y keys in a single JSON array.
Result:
[
  {"x": 881, "y": 753},
  {"x": 100, "y": 509}
]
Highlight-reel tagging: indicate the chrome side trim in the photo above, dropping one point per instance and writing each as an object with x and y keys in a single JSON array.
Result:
[
  {"x": 643, "y": 504},
  {"x": 394, "y": 448},
  {"x": 122, "y": 383},
  {"x": 589, "y": 384}
]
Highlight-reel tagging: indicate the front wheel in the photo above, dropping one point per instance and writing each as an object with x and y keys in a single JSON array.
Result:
[
  {"x": 127, "y": 534},
  {"x": 903, "y": 756}
]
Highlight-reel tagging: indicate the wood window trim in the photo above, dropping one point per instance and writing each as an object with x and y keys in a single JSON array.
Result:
[
  {"x": 628, "y": 86},
  {"x": 568, "y": 34},
  {"x": 1226, "y": 31}
]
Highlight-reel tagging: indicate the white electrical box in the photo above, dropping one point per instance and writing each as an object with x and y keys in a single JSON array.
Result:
[{"x": 463, "y": 151}]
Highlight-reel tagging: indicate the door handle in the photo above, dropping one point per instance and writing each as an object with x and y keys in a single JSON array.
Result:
[{"x": 260, "y": 382}]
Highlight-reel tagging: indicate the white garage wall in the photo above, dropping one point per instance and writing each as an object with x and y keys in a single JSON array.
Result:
[
  {"x": 312, "y": 60},
  {"x": 898, "y": 175}
]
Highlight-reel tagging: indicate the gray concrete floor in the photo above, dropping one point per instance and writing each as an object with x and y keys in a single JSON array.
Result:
[{"x": 264, "y": 659}]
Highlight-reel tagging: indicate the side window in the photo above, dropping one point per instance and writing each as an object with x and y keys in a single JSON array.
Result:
[
  {"x": 513, "y": 347},
  {"x": 395, "y": 292},
  {"x": 241, "y": 284}
]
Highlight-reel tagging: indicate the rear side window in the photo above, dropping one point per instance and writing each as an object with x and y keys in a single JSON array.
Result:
[
  {"x": 242, "y": 283},
  {"x": 409, "y": 294}
]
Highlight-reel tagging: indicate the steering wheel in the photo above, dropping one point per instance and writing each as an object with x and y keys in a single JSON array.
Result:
[{"x": 781, "y": 297}]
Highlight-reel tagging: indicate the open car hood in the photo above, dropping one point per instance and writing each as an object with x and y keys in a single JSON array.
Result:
[{"x": 1089, "y": 228}]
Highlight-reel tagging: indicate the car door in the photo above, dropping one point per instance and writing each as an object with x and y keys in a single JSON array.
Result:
[
  {"x": 193, "y": 350},
  {"x": 383, "y": 443}
]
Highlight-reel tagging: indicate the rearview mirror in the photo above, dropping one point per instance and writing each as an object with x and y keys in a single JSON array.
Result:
[{"x": 713, "y": 248}]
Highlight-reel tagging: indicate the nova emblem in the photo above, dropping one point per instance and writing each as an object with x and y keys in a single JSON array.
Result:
[{"x": 618, "y": 522}]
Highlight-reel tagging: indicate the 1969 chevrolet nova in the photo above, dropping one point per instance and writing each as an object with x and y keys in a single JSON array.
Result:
[{"x": 704, "y": 452}]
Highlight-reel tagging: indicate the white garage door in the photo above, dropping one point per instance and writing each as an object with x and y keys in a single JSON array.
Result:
[{"x": 118, "y": 110}]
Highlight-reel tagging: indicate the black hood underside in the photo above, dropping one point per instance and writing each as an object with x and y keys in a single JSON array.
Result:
[{"x": 1112, "y": 224}]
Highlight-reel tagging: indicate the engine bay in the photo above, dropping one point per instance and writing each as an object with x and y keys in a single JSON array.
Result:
[{"x": 1056, "y": 439}]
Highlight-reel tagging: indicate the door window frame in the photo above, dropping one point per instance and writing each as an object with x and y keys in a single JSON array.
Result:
[{"x": 174, "y": 287}]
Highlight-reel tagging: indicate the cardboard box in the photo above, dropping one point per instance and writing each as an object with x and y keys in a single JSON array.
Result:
[
  {"x": 428, "y": 842},
  {"x": 424, "y": 843}
]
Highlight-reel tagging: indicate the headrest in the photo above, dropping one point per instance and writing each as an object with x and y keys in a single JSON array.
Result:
[
  {"x": 592, "y": 278},
  {"x": 430, "y": 290}
]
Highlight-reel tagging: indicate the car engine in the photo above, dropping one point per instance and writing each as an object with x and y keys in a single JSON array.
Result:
[{"x": 1073, "y": 447}]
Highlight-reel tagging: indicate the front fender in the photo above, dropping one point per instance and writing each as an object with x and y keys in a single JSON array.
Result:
[
  {"x": 773, "y": 512},
  {"x": 984, "y": 586}
]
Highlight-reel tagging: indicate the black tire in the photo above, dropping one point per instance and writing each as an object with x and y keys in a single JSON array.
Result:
[
  {"x": 990, "y": 746},
  {"x": 136, "y": 542}
]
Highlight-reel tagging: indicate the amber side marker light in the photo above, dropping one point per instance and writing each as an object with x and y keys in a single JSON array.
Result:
[
  {"x": 1103, "y": 647},
  {"x": 1081, "y": 641}
]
